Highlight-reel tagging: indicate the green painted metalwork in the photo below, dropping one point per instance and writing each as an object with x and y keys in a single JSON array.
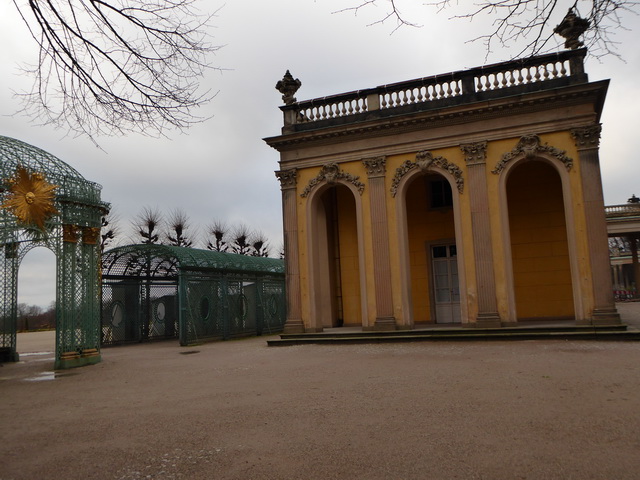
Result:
[
  {"x": 159, "y": 291},
  {"x": 72, "y": 234}
]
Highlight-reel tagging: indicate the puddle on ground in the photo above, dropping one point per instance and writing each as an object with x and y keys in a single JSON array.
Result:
[
  {"x": 189, "y": 352},
  {"x": 45, "y": 376}
]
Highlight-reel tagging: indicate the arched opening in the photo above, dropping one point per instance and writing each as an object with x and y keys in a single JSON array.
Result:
[
  {"x": 540, "y": 254},
  {"x": 335, "y": 259},
  {"x": 36, "y": 302},
  {"x": 433, "y": 258}
]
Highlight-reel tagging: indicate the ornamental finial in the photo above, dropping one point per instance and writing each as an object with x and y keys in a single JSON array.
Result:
[
  {"x": 571, "y": 27},
  {"x": 288, "y": 88}
]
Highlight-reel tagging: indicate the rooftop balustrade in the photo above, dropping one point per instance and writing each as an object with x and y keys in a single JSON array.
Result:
[{"x": 466, "y": 86}]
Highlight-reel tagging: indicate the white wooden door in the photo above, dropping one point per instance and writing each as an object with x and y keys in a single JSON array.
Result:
[{"x": 446, "y": 291}]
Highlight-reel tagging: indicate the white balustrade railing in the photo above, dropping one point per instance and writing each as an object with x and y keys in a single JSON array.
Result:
[{"x": 489, "y": 78}]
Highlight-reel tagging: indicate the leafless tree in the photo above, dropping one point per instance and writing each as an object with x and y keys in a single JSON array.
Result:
[
  {"x": 218, "y": 231},
  {"x": 115, "y": 66},
  {"x": 241, "y": 240},
  {"x": 147, "y": 225},
  {"x": 109, "y": 230},
  {"x": 259, "y": 245},
  {"x": 177, "y": 229},
  {"x": 528, "y": 23}
]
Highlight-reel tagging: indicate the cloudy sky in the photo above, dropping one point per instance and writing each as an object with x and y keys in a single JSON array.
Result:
[{"x": 221, "y": 169}]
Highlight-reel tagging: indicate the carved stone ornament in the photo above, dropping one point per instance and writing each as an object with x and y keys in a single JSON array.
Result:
[
  {"x": 587, "y": 137},
  {"x": 529, "y": 147},
  {"x": 288, "y": 178},
  {"x": 288, "y": 88},
  {"x": 425, "y": 161},
  {"x": 331, "y": 174},
  {"x": 474, "y": 153},
  {"x": 376, "y": 167},
  {"x": 571, "y": 27}
]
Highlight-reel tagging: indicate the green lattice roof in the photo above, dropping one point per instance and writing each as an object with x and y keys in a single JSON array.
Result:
[
  {"x": 166, "y": 261},
  {"x": 71, "y": 185}
]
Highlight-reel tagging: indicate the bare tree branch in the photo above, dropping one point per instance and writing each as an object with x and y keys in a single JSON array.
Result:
[
  {"x": 116, "y": 66},
  {"x": 529, "y": 24}
]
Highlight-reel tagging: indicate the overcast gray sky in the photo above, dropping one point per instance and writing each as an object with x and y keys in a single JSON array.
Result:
[{"x": 222, "y": 169}]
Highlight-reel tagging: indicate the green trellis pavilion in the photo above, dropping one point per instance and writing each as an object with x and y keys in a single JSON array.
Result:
[{"x": 46, "y": 203}]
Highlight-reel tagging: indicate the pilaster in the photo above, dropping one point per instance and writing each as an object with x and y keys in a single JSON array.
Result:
[
  {"x": 475, "y": 157},
  {"x": 376, "y": 169},
  {"x": 288, "y": 181},
  {"x": 587, "y": 139}
]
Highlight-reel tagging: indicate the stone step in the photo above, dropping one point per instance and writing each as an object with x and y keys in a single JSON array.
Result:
[{"x": 556, "y": 333}]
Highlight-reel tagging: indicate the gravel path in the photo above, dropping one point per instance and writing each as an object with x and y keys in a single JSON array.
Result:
[{"x": 241, "y": 410}]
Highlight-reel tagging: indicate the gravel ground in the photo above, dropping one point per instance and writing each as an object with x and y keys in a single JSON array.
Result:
[{"x": 241, "y": 410}]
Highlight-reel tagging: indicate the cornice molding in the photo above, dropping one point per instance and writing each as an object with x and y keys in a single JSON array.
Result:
[
  {"x": 415, "y": 121},
  {"x": 425, "y": 161},
  {"x": 332, "y": 174},
  {"x": 529, "y": 146}
]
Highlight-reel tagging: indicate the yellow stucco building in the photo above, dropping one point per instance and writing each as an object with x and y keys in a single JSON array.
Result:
[{"x": 472, "y": 197}]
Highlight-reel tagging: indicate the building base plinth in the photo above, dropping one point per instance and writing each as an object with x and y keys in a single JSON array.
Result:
[
  {"x": 485, "y": 320},
  {"x": 384, "y": 324},
  {"x": 294, "y": 326},
  {"x": 605, "y": 316}
]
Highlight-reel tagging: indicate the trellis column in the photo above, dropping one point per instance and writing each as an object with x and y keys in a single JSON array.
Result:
[
  {"x": 77, "y": 309},
  {"x": 475, "y": 157},
  {"x": 376, "y": 168},
  {"x": 8, "y": 307},
  {"x": 288, "y": 181},
  {"x": 587, "y": 140}
]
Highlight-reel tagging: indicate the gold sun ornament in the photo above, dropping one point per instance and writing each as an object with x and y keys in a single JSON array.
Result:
[{"x": 30, "y": 197}]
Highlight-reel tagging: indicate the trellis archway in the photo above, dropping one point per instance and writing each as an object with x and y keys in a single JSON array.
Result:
[{"x": 45, "y": 202}]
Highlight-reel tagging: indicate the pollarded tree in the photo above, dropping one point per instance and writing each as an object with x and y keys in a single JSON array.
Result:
[
  {"x": 147, "y": 225},
  {"x": 241, "y": 240},
  {"x": 259, "y": 245},
  {"x": 218, "y": 233},
  {"x": 177, "y": 227},
  {"x": 530, "y": 24},
  {"x": 115, "y": 66},
  {"x": 109, "y": 230}
]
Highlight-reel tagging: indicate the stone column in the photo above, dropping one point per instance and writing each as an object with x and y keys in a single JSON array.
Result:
[
  {"x": 634, "y": 259},
  {"x": 288, "y": 180},
  {"x": 587, "y": 140},
  {"x": 475, "y": 157},
  {"x": 380, "y": 240}
]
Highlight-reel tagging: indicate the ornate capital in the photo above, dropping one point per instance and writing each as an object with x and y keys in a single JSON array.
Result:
[
  {"x": 288, "y": 178},
  {"x": 587, "y": 137},
  {"x": 475, "y": 153},
  {"x": 425, "y": 161},
  {"x": 529, "y": 147},
  {"x": 332, "y": 174},
  {"x": 376, "y": 167},
  {"x": 288, "y": 88},
  {"x": 70, "y": 233},
  {"x": 90, "y": 235}
]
